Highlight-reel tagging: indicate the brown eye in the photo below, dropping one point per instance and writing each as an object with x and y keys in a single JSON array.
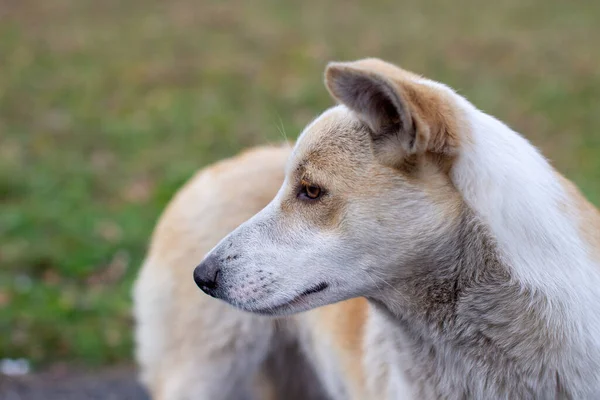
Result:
[{"x": 311, "y": 192}]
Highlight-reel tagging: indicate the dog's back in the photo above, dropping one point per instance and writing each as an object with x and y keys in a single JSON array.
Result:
[{"x": 178, "y": 328}]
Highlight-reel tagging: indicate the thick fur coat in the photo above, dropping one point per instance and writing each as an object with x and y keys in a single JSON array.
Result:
[{"x": 409, "y": 246}]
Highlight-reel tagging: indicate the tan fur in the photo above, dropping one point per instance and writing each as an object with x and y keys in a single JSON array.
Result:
[
  {"x": 586, "y": 215},
  {"x": 214, "y": 202},
  {"x": 435, "y": 112},
  {"x": 341, "y": 326},
  {"x": 212, "y": 185}
]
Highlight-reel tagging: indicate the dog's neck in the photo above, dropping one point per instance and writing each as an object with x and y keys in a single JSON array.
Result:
[
  {"x": 461, "y": 325},
  {"x": 465, "y": 256},
  {"x": 465, "y": 325}
]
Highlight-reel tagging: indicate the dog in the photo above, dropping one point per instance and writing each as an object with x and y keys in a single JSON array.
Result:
[{"x": 408, "y": 246}]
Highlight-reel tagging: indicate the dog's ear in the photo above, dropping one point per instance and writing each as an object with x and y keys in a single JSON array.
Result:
[{"x": 406, "y": 118}]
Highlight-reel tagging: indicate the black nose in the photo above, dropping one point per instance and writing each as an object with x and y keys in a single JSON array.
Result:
[{"x": 206, "y": 275}]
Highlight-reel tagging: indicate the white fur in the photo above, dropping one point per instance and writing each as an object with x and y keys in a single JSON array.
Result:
[
  {"x": 516, "y": 192},
  {"x": 153, "y": 286},
  {"x": 512, "y": 186},
  {"x": 384, "y": 362}
]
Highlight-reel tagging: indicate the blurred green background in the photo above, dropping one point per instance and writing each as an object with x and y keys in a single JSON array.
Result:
[{"x": 107, "y": 107}]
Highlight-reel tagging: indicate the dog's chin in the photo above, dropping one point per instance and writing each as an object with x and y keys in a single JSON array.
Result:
[
  {"x": 284, "y": 309},
  {"x": 310, "y": 298}
]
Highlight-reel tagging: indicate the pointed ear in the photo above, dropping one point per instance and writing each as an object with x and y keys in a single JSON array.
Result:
[
  {"x": 405, "y": 117},
  {"x": 375, "y": 99}
]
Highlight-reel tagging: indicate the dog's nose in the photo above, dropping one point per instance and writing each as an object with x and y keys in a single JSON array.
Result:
[{"x": 206, "y": 275}]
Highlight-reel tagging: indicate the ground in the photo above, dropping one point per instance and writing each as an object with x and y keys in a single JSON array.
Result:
[
  {"x": 106, "y": 108},
  {"x": 66, "y": 384}
]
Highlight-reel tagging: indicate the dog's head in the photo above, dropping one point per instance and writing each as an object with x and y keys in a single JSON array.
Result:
[{"x": 366, "y": 193}]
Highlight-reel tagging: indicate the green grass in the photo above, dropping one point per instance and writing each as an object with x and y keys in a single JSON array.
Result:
[{"x": 106, "y": 108}]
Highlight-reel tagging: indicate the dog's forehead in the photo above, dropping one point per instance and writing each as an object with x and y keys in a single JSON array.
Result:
[{"x": 335, "y": 136}]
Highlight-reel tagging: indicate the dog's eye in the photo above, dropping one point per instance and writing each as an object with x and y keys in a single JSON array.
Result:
[{"x": 310, "y": 192}]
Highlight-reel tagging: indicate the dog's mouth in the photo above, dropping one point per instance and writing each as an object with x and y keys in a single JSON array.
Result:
[{"x": 295, "y": 301}]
